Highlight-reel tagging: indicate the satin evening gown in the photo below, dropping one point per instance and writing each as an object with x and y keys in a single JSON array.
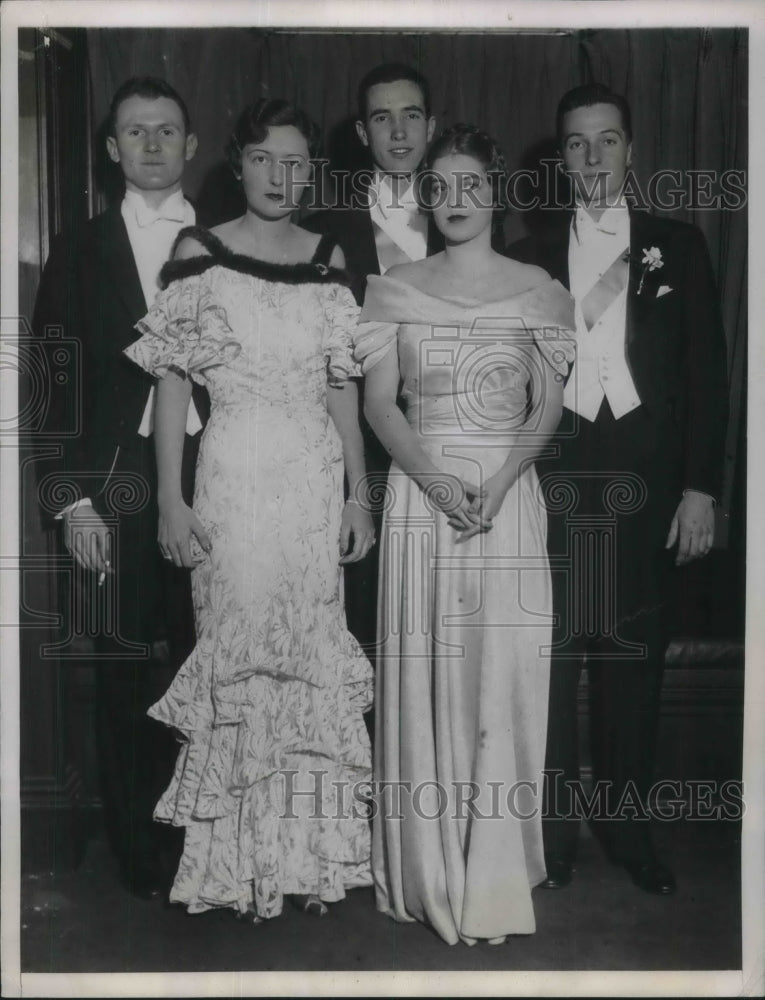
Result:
[{"x": 463, "y": 627}]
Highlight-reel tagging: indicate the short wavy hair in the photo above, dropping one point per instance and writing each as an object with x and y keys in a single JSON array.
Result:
[
  {"x": 391, "y": 72},
  {"x": 469, "y": 140},
  {"x": 585, "y": 97},
  {"x": 150, "y": 87},
  {"x": 255, "y": 121}
]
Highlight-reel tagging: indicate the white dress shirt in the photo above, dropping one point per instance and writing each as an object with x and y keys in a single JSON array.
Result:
[
  {"x": 152, "y": 233},
  {"x": 601, "y": 368},
  {"x": 399, "y": 217}
]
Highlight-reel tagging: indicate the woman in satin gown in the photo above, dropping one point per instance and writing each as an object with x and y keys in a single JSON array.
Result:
[
  {"x": 481, "y": 345},
  {"x": 270, "y": 701}
]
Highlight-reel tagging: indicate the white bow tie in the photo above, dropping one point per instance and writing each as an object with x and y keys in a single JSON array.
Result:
[
  {"x": 146, "y": 216},
  {"x": 586, "y": 226}
]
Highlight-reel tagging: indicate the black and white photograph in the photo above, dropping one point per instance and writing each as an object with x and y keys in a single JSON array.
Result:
[{"x": 380, "y": 472}]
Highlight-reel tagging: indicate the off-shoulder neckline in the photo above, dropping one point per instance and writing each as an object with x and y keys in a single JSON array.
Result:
[
  {"x": 468, "y": 303},
  {"x": 309, "y": 272}
]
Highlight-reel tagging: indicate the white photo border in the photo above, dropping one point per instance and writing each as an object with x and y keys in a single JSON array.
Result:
[{"x": 403, "y": 15}]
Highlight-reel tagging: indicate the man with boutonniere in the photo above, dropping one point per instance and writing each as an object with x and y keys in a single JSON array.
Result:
[{"x": 632, "y": 488}]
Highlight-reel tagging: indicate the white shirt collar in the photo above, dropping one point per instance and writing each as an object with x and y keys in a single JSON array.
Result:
[
  {"x": 174, "y": 208},
  {"x": 381, "y": 194},
  {"x": 614, "y": 221}
]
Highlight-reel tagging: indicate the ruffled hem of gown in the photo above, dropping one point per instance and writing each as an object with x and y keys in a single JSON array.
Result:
[
  {"x": 243, "y": 846},
  {"x": 266, "y": 849}
]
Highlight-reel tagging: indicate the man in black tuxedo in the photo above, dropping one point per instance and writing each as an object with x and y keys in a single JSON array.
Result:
[
  {"x": 377, "y": 222},
  {"x": 97, "y": 283},
  {"x": 633, "y": 487}
]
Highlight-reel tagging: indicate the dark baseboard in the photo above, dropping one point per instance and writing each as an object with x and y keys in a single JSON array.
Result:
[
  {"x": 700, "y": 740},
  {"x": 702, "y": 712},
  {"x": 53, "y": 828}
]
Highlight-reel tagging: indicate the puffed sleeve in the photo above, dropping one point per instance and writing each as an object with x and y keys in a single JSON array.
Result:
[
  {"x": 557, "y": 346},
  {"x": 341, "y": 318},
  {"x": 185, "y": 329},
  {"x": 385, "y": 305},
  {"x": 372, "y": 341}
]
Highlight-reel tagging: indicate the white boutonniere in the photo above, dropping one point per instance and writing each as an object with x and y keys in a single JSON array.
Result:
[{"x": 652, "y": 260}]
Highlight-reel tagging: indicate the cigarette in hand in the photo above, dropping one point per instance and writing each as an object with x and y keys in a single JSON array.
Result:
[{"x": 102, "y": 575}]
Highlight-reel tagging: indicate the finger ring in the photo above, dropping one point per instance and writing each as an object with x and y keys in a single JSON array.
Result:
[{"x": 168, "y": 558}]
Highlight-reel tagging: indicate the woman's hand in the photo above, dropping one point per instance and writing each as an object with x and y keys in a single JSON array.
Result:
[
  {"x": 356, "y": 521},
  {"x": 494, "y": 492},
  {"x": 488, "y": 502},
  {"x": 458, "y": 500},
  {"x": 177, "y": 524}
]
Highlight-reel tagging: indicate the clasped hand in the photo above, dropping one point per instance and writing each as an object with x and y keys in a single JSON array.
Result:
[{"x": 469, "y": 509}]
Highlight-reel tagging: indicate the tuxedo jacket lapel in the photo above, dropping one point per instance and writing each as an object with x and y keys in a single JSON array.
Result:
[
  {"x": 361, "y": 220},
  {"x": 637, "y": 304},
  {"x": 121, "y": 263},
  {"x": 367, "y": 235},
  {"x": 641, "y": 229},
  {"x": 556, "y": 261},
  {"x": 436, "y": 242}
]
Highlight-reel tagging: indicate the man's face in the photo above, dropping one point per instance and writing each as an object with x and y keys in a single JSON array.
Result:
[
  {"x": 396, "y": 129},
  {"x": 596, "y": 152},
  {"x": 150, "y": 144}
]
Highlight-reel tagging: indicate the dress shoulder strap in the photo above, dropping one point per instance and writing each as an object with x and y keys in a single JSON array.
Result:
[
  {"x": 324, "y": 250},
  {"x": 211, "y": 243}
]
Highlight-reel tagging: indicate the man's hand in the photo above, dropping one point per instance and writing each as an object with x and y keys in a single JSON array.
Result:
[
  {"x": 693, "y": 527},
  {"x": 88, "y": 539}
]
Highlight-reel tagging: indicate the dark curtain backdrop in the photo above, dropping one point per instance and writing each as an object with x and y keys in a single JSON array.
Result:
[
  {"x": 688, "y": 91},
  {"x": 687, "y": 88}
]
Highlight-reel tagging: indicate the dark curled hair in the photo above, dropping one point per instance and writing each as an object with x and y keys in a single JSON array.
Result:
[
  {"x": 255, "y": 121},
  {"x": 587, "y": 96},
  {"x": 391, "y": 72},
  {"x": 150, "y": 87},
  {"x": 469, "y": 140}
]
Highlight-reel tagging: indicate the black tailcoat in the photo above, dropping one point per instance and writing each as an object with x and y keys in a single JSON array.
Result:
[
  {"x": 90, "y": 291},
  {"x": 674, "y": 343},
  {"x": 675, "y": 350}
]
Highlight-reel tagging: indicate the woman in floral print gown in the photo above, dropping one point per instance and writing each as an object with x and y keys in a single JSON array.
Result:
[{"x": 270, "y": 703}]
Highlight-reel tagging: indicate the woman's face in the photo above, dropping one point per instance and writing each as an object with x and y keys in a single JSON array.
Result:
[
  {"x": 462, "y": 199},
  {"x": 275, "y": 172}
]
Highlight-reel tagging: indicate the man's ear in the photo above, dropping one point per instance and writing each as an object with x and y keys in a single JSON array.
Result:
[
  {"x": 629, "y": 155},
  {"x": 191, "y": 145},
  {"x": 361, "y": 132},
  {"x": 431, "y": 127},
  {"x": 111, "y": 149}
]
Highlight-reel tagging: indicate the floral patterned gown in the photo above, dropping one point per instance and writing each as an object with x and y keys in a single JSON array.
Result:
[{"x": 270, "y": 702}]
